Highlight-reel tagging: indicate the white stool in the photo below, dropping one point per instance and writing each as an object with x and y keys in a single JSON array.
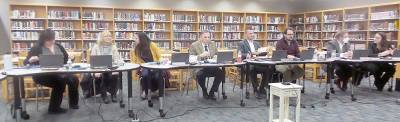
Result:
[{"x": 284, "y": 92}]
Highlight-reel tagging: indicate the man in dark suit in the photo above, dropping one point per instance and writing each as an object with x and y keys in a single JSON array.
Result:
[{"x": 250, "y": 47}]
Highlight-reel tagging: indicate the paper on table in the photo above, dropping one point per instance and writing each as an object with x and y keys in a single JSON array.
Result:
[{"x": 262, "y": 49}]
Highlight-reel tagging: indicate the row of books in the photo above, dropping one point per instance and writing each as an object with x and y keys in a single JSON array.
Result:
[
  {"x": 61, "y": 25},
  {"x": 183, "y": 27},
  {"x": 24, "y": 35},
  {"x": 163, "y": 45},
  {"x": 332, "y": 27},
  {"x": 157, "y": 36},
  {"x": 313, "y": 28},
  {"x": 210, "y": 19},
  {"x": 298, "y": 28},
  {"x": 63, "y": 14},
  {"x": 94, "y": 15},
  {"x": 125, "y": 55},
  {"x": 313, "y": 44},
  {"x": 23, "y": 14},
  {"x": 276, "y": 20},
  {"x": 155, "y": 26},
  {"x": 312, "y": 36},
  {"x": 211, "y": 28},
  {"x": 256, "y": 28},
  {"x": 274, "y": 36},
  {"x": 124, "y": 45},
  {"x": 233, "y": 19},
  {"x": 232, "y": 28},
  {"x": 184, "y": 18},
  {"x": 183, "y": 44},
  {"x": 355, "y": 27},
  {"x": 232, "y": 36},
  {"x": 64, "y": 35},
  {"x": 27, "y": 24},
  {"x": 271, "y": 43},
  {"x": 273, "y": 28},
  {"x": 88, "y": 44},
  {"x": 185, "y": 36},
  {"x": 331, "y": 18},
  {"x": 385, "y": 26},
  {"x": 155, "y": 17},
  {"x": 298, "y": 20},
  {"x": 127, "y": 16},
  {"x": 125, "y": 35},
  {"x": 312, "y": 19},
  {"x": 394, "y": 14},
  {"x": 356, "y": 17},
  {"x": 358, "y": 36},
  {"x": 22, "y": 46},
  {"x": 254, "y": 19},
  {"x": 96, "y": 26},
  {"x": 90, "y": 35},
  {"x": 298, "y": 36},
  {"x": 68, "y": 45},
  {"x": 328, "y": 36},
  {"x": 127, "y": 26},
  {"x": 231, "y": 44}
]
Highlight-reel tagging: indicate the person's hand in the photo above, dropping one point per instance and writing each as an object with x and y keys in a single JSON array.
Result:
[
  {"x": 385, "y": 53},
  {"x": 291, "y": 56},
  {"x": 33, "y": 59},
  {"x": 97, "y": 75},
  {"x": 205, "y": 54}
]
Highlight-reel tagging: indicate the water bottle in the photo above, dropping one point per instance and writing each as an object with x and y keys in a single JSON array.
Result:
[
  {"x": 333, "y": 54},
  {"x": 69, "y": 63},
  {"x": 239, "y": 57}
]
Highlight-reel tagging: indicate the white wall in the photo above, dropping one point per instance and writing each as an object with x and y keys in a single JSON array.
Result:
[{"x": 4, "y": 27}]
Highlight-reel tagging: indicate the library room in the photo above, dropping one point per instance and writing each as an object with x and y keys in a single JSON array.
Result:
[{"x": 199, "y": 60}]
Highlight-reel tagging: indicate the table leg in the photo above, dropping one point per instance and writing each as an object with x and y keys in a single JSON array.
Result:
[
  {"x": 19, "y": 106},
  {"x": 353, "y": 80},
  {"x": 271, "y": 107},
  {"x": 286, "y": 107},
  {"x": 304, "y": 79},
  {"x": 130, "y": 94},
  {"x": 281, "y": 109},
  {"x": 121, "y": 102},
  {"x": 298, "y": 108},
  {"x": 247, "y": 80},
  {"x": 329, "y": 71},
  {"x": 223, "y": 82},
  {"x": 161, "y": 98},
  {"x": 241, "y": 85}
]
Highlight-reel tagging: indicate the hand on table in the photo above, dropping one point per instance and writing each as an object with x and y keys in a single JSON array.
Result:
[{"x": 33, "y": 59}]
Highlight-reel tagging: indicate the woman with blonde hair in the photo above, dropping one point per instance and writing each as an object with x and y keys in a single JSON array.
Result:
[{"x": 108, "y": 81}]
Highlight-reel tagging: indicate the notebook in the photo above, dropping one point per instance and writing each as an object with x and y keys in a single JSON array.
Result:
[
  {"x": 51, "y": 61},
  {"x": 100, "y": 61}
]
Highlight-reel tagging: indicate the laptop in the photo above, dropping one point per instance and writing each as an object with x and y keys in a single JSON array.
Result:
[
  {"x": 100, "y": 61},
  {"x": 224, "y": 57},
  {"x": 359, "y": 53},
  {"x": 180, "y": 58},
  {"x": 396, "y": 53},
  {"x": 307, "y": 54},
  {"x": 277, "y": 55},
  {"x": 51, "y": 62}
]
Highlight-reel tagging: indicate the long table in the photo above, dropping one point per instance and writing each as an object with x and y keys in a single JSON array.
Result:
[{"x": 19, "y": 106}]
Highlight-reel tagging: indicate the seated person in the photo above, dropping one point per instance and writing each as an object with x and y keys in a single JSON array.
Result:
[
  {"x": 46, "y": 46},
  {"x": 205, "y": 49},
  {"x": 380, "y": 48},
  {"x": 249, "y": 47},
  {"x": 108, "y": 81},
  {"x": 294, "y": 71},
  {"x": 147, "y": 51}
]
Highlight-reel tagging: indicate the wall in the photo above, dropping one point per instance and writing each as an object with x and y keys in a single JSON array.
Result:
[
  {"x": 4, "y": 27},
  {"x": 314, "y": 5}
]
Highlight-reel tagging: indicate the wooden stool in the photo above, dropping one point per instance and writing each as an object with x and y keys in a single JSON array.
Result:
[{"x": 284, "y": 92}]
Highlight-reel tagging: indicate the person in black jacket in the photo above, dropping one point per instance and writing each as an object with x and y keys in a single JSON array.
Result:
[
  {"x": 380, "y": 48},
  {"x": 46, "y": 45}
]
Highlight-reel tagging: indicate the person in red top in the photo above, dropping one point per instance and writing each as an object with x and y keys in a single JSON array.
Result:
[{"x": 288, "y": 43}]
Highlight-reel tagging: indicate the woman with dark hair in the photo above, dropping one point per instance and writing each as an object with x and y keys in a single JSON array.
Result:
[
  {"x": 380, "y": 48},
  {"x": 147, "y": 51},
  {"x": 46, "y": 46}
]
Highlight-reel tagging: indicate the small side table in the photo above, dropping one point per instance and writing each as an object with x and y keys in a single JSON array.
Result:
[{"x": 284, "y": 92}]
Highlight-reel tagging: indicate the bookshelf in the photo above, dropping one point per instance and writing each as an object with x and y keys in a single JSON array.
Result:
[
  {"x": 313, "y": 29},
  {"x": 257, "y": 22},
  {"x": 356, "y": 22},
  {"x": 297, "y": 23},
  {"x": 185, "y": 28},
  {"x": 157, "y": 25},
  {"x": 332, "y": 22},
  {"x": 385, "y": 19},
  {"x": 212, "y": 22},
  {"x": 233, "y": 28},
  {"x": 276, "y": 24}
]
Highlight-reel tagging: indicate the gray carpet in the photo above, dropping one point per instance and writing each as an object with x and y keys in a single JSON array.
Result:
[{"x": 372, "y": 106}]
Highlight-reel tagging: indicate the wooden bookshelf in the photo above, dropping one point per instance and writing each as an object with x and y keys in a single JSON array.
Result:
[
  {"x": 276, "y": 24},
  {"x": 258, "y": 23},
  {"x": 332, "y": 22},
  {"x": 297, "y": 23}
]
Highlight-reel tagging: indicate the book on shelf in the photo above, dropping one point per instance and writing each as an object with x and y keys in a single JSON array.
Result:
[
  {"x": 210, "y": 28},
  {"x": 254, "y": 19},
  {"x": 185, "y": 36},
  {"x": 125, "y": 35},
  {"x": 155, "y": 27},
  {"x": 68, "y": 45},
  {"x": 24, "y": 35},
  {"x": 61, "y": 25},
  {"x": 210, "y": 18},
  {"x": 27, "y": 24},
  {"x": 126, "y": 26},
  {"x": 93, "y": 15},
  {"x": 271, "y": 43},
  {"x": 312, "y": 19},
  {"x": 358, "y": 36},
  {"x": 274, "y": 36},
  {"x": 125, "y": 55},
  {"x": 155, "y": 17},
  {"x": 231, "y": 28},
  {"x": 356, "y": 46},
  {"x": 183, "y": 27},
  {"x": 157, "y": 36},
  {"x": 25, "y": 14},
  {"x": 328, "y": 36},
  {"x": 383, "y": 26},
  {"x": 23, "y": 46},
  {"x": 218, "y": 44},
  {"x": 255, "y": 28},
  {"x": 332, "y": 27},
  {"x": 313, "y": 36},
  {"x": 63, "y": 14},
  {"x": 88, "y": 45},
  {"x": 354, "y": 27},
  {"x": 184, "y": 18},
  {"x": 331, "y": 18},
  {"x": 355, "y": 17},
  {"x": 163, "y": 45},
  {"x": 273, "y": 28},
  {"x": 90, "y": 35},
  {"x": 276, "y": 20},
  {"x": 233, "y": 19},
  {"x": 298, "y": 20},
  {"x": 127, "y": 16},
  {"x": 298, "y": 36},
  {"x": 231, "y": 44},
  {"x": 393, "y": 14},
  {"x": 96, "y": 26},
  {"x": 313, "y": 44},
  {"x": 182, "y": 44},
  {"x": 124, "y": 45},
  {"x": 298, "y": 28},
  {"x": 390, "y": 36},
  {"x": 232, "y": 36},
  {"x": 313, "y": 28},
  {"x": 60, "y": 35}
]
